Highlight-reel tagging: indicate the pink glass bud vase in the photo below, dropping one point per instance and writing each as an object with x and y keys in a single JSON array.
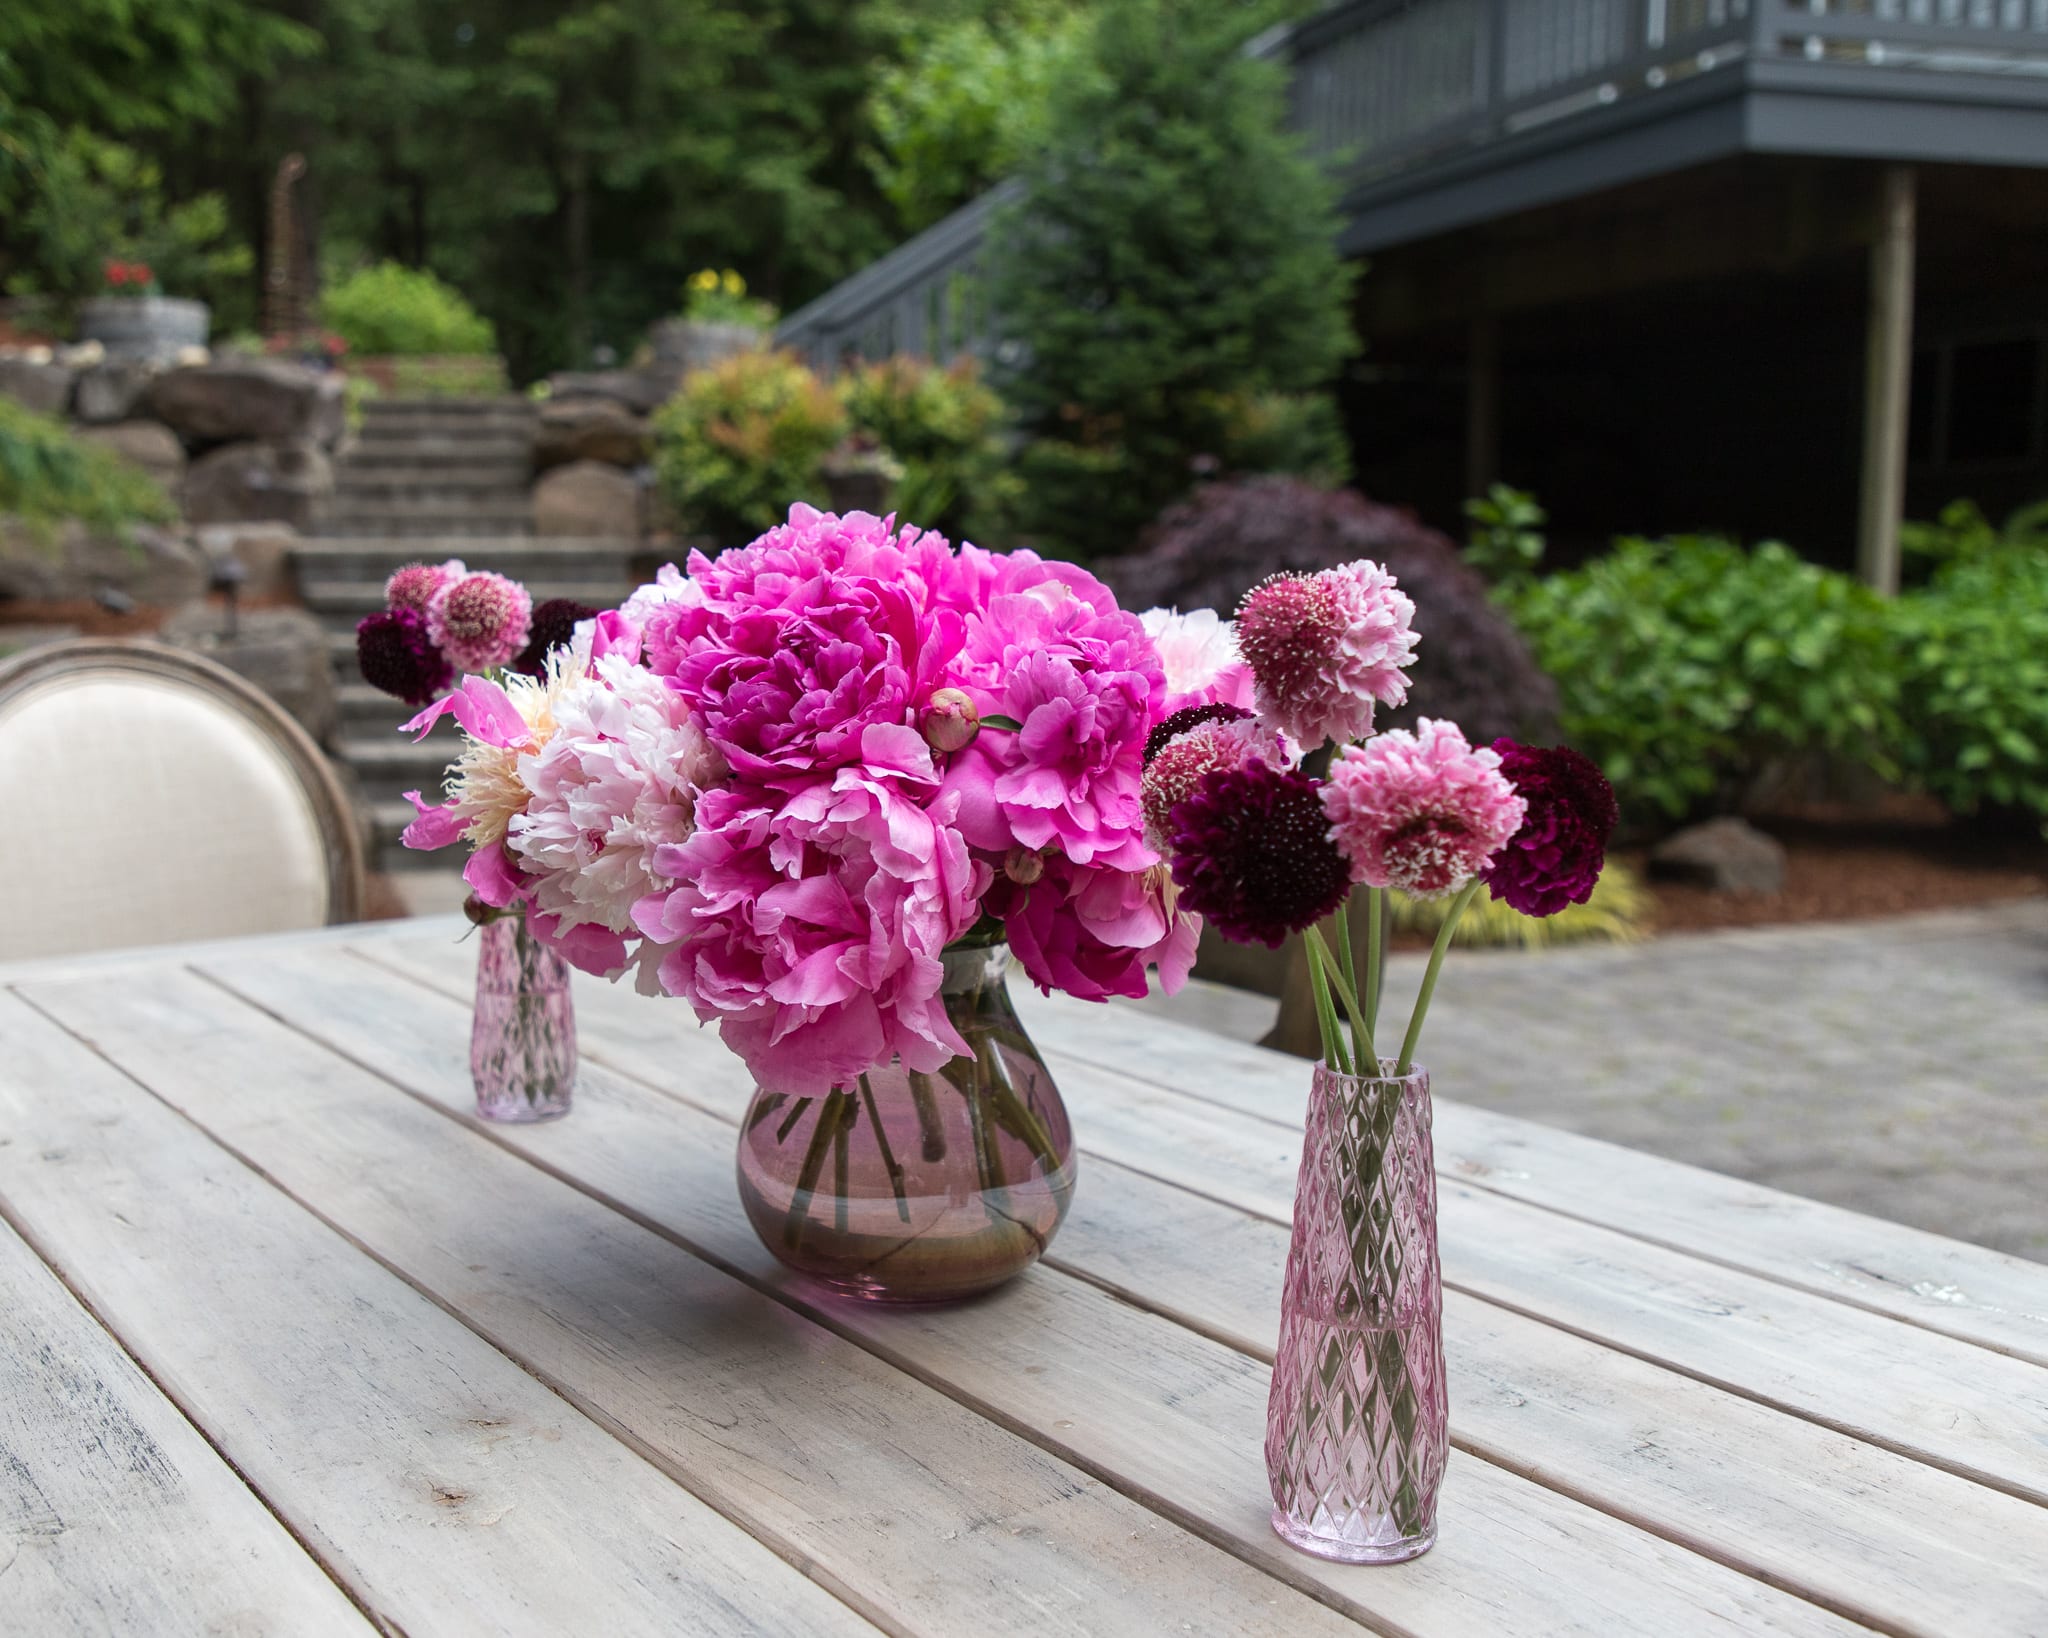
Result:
[
  {"x": 522, "y": 1042},
  {"x": 912, "y": 1187},
  {"x": 1358, "y": 1425}
]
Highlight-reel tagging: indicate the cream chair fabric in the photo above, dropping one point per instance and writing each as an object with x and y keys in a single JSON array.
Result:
[{"x": 148, "y": 796}]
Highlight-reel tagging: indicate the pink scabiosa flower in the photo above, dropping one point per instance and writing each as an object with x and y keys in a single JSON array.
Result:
[
  {"x": 1556, "y": 856},
  {"x": 1423, "y": 812},
  {"x": 1324, "y": 648},
  {"x": 1189, "y": 746},
  {"x": 1252, "y": 853},
  {"x": 480, "y": 620},
  {"x": 1198, "y": 652},
  {"x": 413, "y": 587},
  {"x": 394, "y": 653}
]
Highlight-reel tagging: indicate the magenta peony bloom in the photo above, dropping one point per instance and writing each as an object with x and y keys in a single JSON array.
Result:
[
  {"x": 811, "y": 927},
  {"x": 1423, "y": 812},
  {"x": 1093, "y": 933},
  {"x": 413, "y": 586},
  {"x": 395, "y": 654},
  {"x": 480, "y": 620},
  {"x": 1252, "y": 853},
  {"x": 1323, "y": 648},
  {"x": 1555, "y": 858},
  {"x": 1176, "y": 770}
]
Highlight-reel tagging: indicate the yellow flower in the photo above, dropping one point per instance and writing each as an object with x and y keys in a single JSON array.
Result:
[
  {"x": 734, "y": 284},
  {"x": 704, "y": 280}
]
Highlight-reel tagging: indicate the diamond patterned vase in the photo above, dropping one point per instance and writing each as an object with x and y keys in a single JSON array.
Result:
[
  {"x": 522, "y": 1037},
  {"x": 1357, "y": 1428}
]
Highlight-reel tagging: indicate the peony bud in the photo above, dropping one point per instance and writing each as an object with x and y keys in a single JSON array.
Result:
[
  {"x": 951, "y": 721},
  {"x": 1023, "y": 866}
]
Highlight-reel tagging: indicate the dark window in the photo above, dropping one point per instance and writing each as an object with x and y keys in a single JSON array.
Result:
[
  {"x": 1921, "y": 447},
  {"x": 1993, "y": 387}
]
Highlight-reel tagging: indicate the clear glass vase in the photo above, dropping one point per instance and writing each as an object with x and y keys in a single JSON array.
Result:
[
  {"x": 909, "y": 1187},
  {"x": 1358, "y": 1425},
  {"x": 522, "y": 1041}
]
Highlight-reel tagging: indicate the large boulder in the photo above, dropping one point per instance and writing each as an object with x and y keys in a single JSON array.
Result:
[
  {"x": 263, "y": 551},
  {"x": 44, "y": 388},
  {"x": 282, "y": 651},
  {"x": 249, "y": 399},
  {"x": 589, "y": 429},
  {"x": 152, "y": 566},
  {"x": 110, "y": 391},
  {"x": 641, "y": 391},
  {"x": 587, "y": 498},
  {"x": 148, "y": 444},
  {"x": 1726, "y": 855},
  {"x": 247, "y": 483}
]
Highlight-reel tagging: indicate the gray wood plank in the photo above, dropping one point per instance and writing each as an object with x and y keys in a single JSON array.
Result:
[
  {"x": 1164, "y": 1412},
  {"x": 116, "y": 1517},
  {"x": 449, "y": 1490},
  {"x": 930, "y": 1516}
]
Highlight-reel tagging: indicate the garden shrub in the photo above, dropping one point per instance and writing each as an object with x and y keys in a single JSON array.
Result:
[
  {"x": 1963, "y": 534},
  {"x": 1974, "y": 648},
  {"x": 944, "y": 427},
  {"x": 743, "y": 439},
  {"x": 1471, "y": 666},
  {"x": 1619, "y": 912},
  {"x": 389, "y": 310},
  {"x": 1506, "y": 539},
  {"x": 48, "y": 475},
  {"x": 1686, "y": 666}
]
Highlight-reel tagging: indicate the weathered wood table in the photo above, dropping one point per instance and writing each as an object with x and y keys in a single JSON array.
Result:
[{"x": 289, "y": 1343}]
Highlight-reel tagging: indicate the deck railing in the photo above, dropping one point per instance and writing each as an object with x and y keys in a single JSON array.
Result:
[{"x": 1385, "y": 87}]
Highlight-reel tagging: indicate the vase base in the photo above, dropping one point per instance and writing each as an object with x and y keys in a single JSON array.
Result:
[
  {"x": 1395, "y": 1550},
  {"x": 521, "y": 1114}
]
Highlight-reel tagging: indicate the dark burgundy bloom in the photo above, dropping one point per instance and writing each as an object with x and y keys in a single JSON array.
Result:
[
  {"x": 396, "y": 655},
  {"x": 1189, "y": 716},
  {"x": 1252, "y": 852},
  {"x": 1555, "y": 858},
  {"x": 554, "y": 623}
]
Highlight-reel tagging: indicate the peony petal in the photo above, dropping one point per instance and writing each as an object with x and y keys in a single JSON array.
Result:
[
  {"x": 435, "y": 827},
  {"x": 482, "y": 709}
]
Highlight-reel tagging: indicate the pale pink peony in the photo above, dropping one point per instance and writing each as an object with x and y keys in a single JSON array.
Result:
[
  {"x": 480, "y": 621},
  {"x": 618, "y": 780},
  {"x": 810, "y": 927},
  {"x": 1324, "y": 648},
  {"x": 1423, "y": 812},
  {"x": 1093, "y": 933},
  {"x": 1198, "y": 652},
  {"x": 413, "y": 587}
]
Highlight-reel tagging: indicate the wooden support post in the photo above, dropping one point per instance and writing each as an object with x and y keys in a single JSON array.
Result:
[
  {"x": 1886, "y": 381},
  {"x": 1482, "y": 405}
]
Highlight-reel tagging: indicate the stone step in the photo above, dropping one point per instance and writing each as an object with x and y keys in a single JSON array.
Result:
[
  {"x": 501, "y": 477},
  {"x": 394, "y": 429},
  {"x": 365, "y": 557},
  {"x": 459, "y": 408},
  {"x": 422, "y": 449},
  {"x": 429, "y": 496},
  {"x": 423, "y": 522}
]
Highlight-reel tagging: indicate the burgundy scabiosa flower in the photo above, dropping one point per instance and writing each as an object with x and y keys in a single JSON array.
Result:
[
  {"x": 480, "y": 620},
  {"x": 1325, "y": 648},
  {"x": 396, "y": 655},
  {"x": 1252, "y": 853},
  {"x": 1555, "y": 858},
  {"x": 1423, "y": 812},
  {"x": 554, "y": 624}
]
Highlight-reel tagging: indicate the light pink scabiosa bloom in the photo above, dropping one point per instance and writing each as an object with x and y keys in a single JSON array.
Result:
[
  {"x": 1423, "y": 812},
  {"x": 1324, "y": 648},
  {"x": 413, "y": 587},
  {"x": 1198, "y": 652},
  {"x": 480, "y": 620},
  {"x": 1176, "y": 763},
  {"x": 618, "y": 780}
]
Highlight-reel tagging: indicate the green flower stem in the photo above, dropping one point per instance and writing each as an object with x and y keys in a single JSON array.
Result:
[
  {"x": 1334, "y": 1055},
  {"x": 1367, "y": 1060},
  {"x": 1436, "y": 962},
  {"x": 889, "y": 1161},
  {"x": 814, "y": 1162},
  {"x": 931, "y": 1130},
  {"x": 1375, "y": 955},
  {"x": 1361, "y": 1030}
]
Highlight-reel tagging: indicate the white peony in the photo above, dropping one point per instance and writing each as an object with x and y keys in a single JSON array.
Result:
[{"x": 1194, "y": 648}]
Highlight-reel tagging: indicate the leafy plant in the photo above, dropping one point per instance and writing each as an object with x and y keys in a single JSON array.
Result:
[
  {"x": 1210, "y": 549},
  {"x": 1687, "y": 665},
  {"x": 1173, "y": 250},
  {"x": 389, "y": 310},
  {"x": 48, "y": 475},
  {"x": 1974, "y": 646},
  {"x": 1963, "y": 534},
  {"x": 712, "y": 297},
  {"x": 1506, "y": 539},
  {"x": 743, "y": 439},
  {"x": 1619, "y": 912},
  {"x": 944, "y": 426}
]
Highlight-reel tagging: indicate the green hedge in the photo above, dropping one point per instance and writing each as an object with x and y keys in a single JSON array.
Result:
[{"x": 394, "y": 311}]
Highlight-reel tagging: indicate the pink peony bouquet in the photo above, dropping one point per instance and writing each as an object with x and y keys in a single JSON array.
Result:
[
  {"x": 1262, "y": 848},
  {"x": 780, "y": 785}
]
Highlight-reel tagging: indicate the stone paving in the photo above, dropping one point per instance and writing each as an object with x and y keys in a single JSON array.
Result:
[{"x": 1895, "y": 1067}]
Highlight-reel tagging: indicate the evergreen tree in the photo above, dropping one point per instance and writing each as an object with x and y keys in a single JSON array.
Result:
[{"x": 1170, "y": 270}]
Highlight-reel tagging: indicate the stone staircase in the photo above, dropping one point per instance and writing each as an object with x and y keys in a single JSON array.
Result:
[{"x": 425, "y": 480}]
